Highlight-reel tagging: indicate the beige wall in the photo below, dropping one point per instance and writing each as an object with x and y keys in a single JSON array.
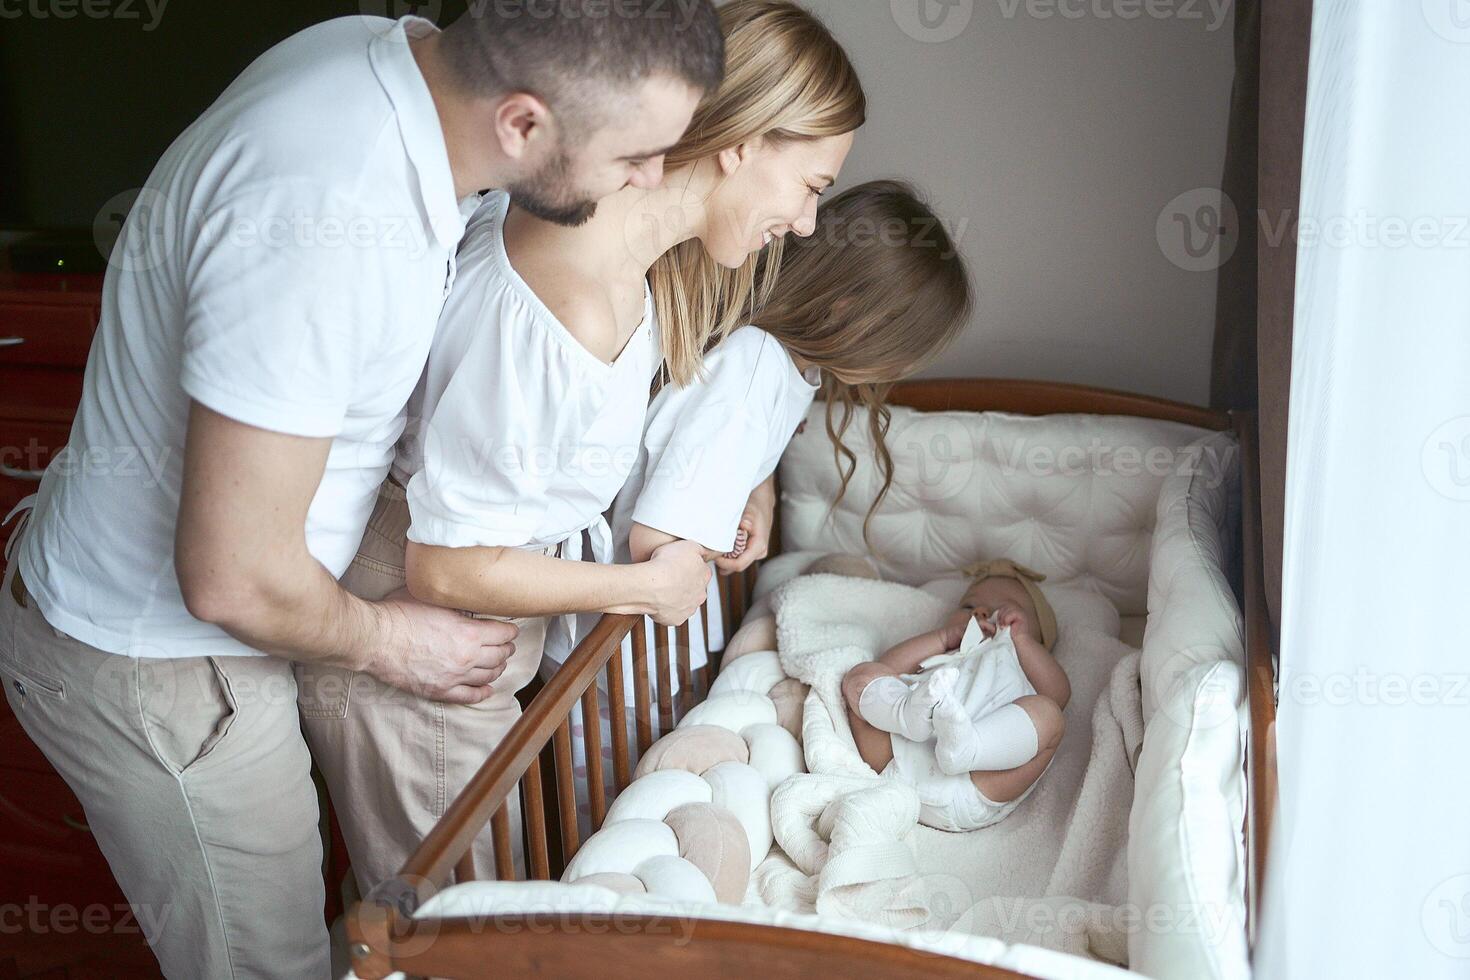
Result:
[{"x": 1052, "y": 135}]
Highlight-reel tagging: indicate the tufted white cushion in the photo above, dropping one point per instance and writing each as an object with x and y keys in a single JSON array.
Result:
[
  {"x": 774, "y": 753},
  {"x": 621, "y": 847},
  {"x": 734, "y": 711},
  {"x": 742, "y": 790},
  {"x": 1072, "y": 496},
  {"x": 651, "y": 797}
]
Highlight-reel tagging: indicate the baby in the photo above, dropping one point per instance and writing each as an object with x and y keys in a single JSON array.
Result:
[{"x": 970, "y": 714}]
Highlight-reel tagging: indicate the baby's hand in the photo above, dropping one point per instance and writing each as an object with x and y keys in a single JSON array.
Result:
[
  {"x": 952, "y": 633},
  {"x": 1015, "y": 619}
]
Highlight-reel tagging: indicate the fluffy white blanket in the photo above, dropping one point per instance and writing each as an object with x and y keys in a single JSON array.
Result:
[{"x": 1052, "y": 874}]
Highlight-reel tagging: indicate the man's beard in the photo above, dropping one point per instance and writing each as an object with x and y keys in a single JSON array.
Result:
[{"x": 541, "y": 196}]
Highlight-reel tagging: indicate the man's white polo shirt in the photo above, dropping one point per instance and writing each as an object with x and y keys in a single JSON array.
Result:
[{"x": 285, "y": 266}]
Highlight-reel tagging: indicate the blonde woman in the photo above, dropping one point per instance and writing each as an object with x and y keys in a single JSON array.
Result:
[{"x": 532, "y": 410}]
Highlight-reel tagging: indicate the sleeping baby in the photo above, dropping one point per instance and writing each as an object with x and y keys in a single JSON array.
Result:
[{"x": 970, "y": 713}]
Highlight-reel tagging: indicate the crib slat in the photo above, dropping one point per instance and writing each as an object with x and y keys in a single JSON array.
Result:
[
  {"x": 709, "y": 656},
  {"x": 737, "y": 602},
  {"x": 566, "y": 789},
  {"x": 537, "y": 862},
  {"x": 592, "y": 749},
  {"x": 665, "y": 681},
  {"x": 464, "y": 868},
  {"x": 642, "y": 710},
  {"x": 686, "y": 687},
  {"x": 505, "y": 859},
  {"x": 618, "y": 722}
]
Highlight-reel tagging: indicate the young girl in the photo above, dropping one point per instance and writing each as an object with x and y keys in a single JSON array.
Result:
[
  {"x": 534, "y": 399},
  {"x": 871, "y": 297}
]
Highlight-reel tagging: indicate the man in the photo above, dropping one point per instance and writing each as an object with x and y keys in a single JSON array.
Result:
[{"x": 264, "y": 322}]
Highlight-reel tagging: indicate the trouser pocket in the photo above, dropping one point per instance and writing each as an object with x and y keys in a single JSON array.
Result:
[
  {"x": 23, "y": 683},
  {"x": 188, "y": 708}
]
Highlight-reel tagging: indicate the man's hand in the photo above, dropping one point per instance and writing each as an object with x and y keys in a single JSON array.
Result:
[
  {"x": 680, "y": 582},
  {"x": 756, "y": 523},
  {"x": 440, "y": 654}
]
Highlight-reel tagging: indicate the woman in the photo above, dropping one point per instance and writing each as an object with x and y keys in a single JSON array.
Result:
[{"x": 532, "y": 409}]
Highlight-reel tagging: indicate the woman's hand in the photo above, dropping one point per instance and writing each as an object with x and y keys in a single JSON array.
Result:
[
  {"x": 680, "y": 582},
  {"x": 756, "y": 523}
]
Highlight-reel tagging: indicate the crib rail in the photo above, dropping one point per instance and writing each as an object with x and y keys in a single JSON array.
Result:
[
  {"x": 383, "y": 922},
  {"x": 1261, "y": 775}
]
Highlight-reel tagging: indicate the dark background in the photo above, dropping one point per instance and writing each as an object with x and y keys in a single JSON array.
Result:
[{"x": 89, "y": 104}]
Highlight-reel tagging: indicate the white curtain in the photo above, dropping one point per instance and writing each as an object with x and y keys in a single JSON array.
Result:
[{"x": 1370, "y": 871}]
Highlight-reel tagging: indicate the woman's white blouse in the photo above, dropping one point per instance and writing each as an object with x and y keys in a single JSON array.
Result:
[
  {"x": 708, "y": 445},
  {"x": 519, "y": 436}
]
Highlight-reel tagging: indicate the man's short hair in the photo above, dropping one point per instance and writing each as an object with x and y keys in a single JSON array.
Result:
[{"x": 578, "y": 54}]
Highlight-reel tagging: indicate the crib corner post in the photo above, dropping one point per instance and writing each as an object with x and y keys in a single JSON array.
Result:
[{"x": 369, "y": 927}]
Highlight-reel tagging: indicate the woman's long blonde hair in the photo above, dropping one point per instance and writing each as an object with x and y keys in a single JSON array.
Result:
[
  {"x": 786, "y": 78},
  {"x": 876, "y": 294}
]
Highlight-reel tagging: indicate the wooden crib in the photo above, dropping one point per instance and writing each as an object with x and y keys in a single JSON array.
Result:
[{"x": 385, "y": 937}]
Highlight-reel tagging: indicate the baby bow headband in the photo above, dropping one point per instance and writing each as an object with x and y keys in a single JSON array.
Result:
[{"x": 1005, "y": 568}]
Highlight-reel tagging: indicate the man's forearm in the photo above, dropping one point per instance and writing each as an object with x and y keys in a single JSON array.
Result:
[{"x": 297, "y": 611}]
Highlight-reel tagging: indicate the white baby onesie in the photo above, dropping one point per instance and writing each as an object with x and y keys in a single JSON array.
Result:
[{"x": 989, "y": 677}]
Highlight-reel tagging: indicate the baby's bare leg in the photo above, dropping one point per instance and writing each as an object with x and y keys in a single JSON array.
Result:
[{"x": 1005, "y": 785}]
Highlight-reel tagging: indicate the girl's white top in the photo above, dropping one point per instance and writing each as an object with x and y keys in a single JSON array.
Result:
[{"x": 708, "y": 445}]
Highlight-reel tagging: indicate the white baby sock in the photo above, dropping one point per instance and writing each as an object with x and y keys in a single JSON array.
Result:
[
  {"x": 1003, "y": 739},
  {"x": 887, "y": 703}
]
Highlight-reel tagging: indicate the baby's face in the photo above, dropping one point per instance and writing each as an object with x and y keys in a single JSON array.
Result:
[{"x": 1003, "y": 595}]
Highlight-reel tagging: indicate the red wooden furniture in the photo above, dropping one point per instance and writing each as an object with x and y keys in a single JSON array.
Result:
[
  {"x": 46, "y": 325},
  {"x": 47, "y": 855}
]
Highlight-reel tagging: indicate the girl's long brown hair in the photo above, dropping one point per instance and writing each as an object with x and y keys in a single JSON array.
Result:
[
  {"x": 786, "y": 78},
  {"x": 871, "y": 298}
]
